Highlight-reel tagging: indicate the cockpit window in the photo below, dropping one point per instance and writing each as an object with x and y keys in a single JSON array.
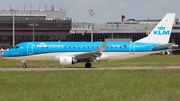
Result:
[{"x": 16, "y": 47}]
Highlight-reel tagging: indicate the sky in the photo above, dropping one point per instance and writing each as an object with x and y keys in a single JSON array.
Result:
[{"x": 104, "y": 10}]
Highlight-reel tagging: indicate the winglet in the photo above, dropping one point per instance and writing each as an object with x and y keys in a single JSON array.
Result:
[{"x": 103, "y": 46}]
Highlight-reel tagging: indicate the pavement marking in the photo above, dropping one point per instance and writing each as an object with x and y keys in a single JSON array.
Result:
[{"x": 93, "y": 68}]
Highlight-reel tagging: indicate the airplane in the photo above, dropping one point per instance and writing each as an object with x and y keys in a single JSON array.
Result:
[{"x": 69, "y": 53}]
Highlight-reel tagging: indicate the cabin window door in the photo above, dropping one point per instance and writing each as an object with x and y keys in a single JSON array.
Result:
[
  {"x": 132, "y": 48},
  {"x": 30, "y": 48}
]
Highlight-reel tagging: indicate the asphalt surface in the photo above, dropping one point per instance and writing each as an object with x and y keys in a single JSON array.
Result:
[{"x": 93, "y": 68}]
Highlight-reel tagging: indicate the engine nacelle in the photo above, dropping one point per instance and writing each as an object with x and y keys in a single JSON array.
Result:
[
  {"x": 167, "y": 53},
  {"x": 67, "y": 60}
]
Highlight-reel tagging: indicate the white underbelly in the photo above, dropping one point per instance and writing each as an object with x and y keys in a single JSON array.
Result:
[{"x": 110, "y": 56}]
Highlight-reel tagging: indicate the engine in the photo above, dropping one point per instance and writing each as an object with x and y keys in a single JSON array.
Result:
[
  {"x": 167, "y": 53},
  {"x": 67, "y": 60}
]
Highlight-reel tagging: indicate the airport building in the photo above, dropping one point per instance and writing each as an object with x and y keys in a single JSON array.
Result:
[{"x": 49, "y": 25}]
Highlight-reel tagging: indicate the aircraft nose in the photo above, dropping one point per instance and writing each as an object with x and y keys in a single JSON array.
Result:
[{"x": 4, "y": 55}]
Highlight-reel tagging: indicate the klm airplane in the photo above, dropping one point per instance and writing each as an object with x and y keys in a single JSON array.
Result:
[{"x": 68, "y": 53}]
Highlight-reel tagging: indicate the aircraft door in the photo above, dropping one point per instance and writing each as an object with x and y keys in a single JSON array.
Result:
[
  {"x": 30, "y": 48},
  {"x": 132, "y": 48}
]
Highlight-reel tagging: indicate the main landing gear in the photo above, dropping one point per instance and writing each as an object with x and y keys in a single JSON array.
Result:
[
  {"x": 88, "y": 65},
  {"x": 24, "y": 66}
]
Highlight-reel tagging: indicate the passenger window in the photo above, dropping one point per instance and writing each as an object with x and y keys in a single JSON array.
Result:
[
  {"x": 46, "y": 47},
  {"x": 42, "y": 47},
  {"x": 92, "y": 47},
  {"x": 83, "y": 47},
  {"x": 120, "y": 47},
  {"x": 97, "y": 47},
  {"x": 37, "y": 47},
  {"x": 78, "y": 47},
  {"x": 60, "y": 47},
  {"x": 64, "y": 47},
  {"x": 116, "y": 47},
  {"x": 111, "y": 47},
  {"x": 88, "y": 47},
  {"x": 55, "y": 47},
  {"x": 51, "y": 47},
  {"x": 73, "y": 47},
  {"x": 69, "y": 47},
  {"x": 106, "y": 47}
]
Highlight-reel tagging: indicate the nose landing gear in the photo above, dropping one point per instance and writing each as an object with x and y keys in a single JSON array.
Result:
[{"x": 24, "y": 66}]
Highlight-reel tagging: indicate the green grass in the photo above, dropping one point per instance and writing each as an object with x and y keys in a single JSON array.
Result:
[
  {"x": 150, "y": 60},
  {"x": 100, "y": 85}
]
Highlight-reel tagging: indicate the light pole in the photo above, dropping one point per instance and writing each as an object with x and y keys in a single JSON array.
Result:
[
  {"x": 33, "y": 24},
  {"x": 112, "y": 33},
  {"x": 91, "y": 12},
  {"x": 13, "y": 32}
]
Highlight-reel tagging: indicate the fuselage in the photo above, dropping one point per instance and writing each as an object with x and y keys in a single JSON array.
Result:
[{"x": 54, "y": 50}]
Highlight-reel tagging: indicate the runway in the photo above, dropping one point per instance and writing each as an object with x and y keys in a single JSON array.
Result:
[{"x": 93, "y": 68}]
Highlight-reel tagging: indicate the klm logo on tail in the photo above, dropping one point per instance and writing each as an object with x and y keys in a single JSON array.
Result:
[{"x": 161, "y": 31}]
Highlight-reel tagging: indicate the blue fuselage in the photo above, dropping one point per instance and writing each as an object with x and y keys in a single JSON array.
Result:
[{"x": 35, "y": 48}]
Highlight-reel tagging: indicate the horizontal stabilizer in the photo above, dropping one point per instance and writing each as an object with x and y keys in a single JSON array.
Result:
[{"x": 163, "y": 46}]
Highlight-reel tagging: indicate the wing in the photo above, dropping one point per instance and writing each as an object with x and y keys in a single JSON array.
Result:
[{"x": 91, "y": 56}]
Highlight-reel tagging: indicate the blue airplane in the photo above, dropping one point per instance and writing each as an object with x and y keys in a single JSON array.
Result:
[{"x": 68, "y": 53}]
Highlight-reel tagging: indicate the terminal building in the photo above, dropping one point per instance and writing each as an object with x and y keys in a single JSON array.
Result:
[
  {"x": 49, "y": 25},
  {"x": 129, "y": 30}
]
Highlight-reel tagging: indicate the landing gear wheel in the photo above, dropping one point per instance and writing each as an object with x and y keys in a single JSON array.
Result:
[
  {"x": 88, "y": 65},
  {"x": 24, "y": 66},
  {"x": 24, "y": 61}
]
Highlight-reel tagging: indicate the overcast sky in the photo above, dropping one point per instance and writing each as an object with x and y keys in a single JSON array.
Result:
[{"x": 105, "y": 10}]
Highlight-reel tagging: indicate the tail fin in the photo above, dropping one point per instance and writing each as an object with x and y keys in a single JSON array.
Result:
[{"x": 161, "y": 33}]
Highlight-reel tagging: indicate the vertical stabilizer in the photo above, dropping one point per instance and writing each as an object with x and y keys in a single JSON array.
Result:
[{"x": 162, "y": 32}]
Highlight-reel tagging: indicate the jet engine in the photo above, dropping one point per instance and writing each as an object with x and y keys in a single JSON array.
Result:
[
  {"x": 67, "y": 60},
  {"x": 167, "y": 53}
]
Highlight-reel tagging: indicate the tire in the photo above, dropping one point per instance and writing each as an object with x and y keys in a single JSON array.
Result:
[
  {"x": 88, "y": 65},
  {"x": 24, "y": 66}
]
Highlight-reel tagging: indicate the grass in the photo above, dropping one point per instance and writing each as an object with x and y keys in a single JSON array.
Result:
[
  {"x": 150, "y": 60},
  {"x": 102, "y": 85}
]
